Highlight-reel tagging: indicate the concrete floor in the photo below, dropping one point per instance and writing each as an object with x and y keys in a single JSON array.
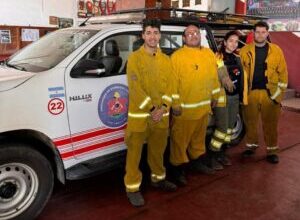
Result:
[{"x": 249, "y": 189}]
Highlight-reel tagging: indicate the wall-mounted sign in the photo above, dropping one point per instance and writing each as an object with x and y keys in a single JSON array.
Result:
[
  {"x": 53, "y": 20},
  {"x": 283, "y": 15},
  {"x": 30, "y": 34},
  {"x": 65, "y": 22},
  {"x": 283, "y": 9},
  {"x": 5, "y": 37}
]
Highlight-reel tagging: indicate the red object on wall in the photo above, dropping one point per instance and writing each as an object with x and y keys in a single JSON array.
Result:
[
  {"x": 81, "y": 5},
  {"x": 250, "y": 37},
  {"x": 111, "y": 6},
  {"x": 240, "y": 7},
  {"x": 89, "y": 7}
]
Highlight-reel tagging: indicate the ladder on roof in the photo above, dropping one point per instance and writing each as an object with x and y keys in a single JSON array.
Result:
[{"x": 178, "y": 14}]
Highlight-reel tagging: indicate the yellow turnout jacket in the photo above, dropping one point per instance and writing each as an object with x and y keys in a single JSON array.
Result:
[
  {"x": 276, "y": 69},
  {"x": 196, "y": 81},
  {"x": 149, "y": 85}
]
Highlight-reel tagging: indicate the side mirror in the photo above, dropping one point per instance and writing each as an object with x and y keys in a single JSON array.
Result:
[{"x": 88, "y": 67}]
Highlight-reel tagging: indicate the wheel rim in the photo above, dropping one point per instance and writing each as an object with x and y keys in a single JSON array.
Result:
[
  {"x": 238, "y": 128},
  {"x": 18, "y": 188}
]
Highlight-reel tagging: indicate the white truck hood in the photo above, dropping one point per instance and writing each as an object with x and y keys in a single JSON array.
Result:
[{"x": 11, "y": 78}]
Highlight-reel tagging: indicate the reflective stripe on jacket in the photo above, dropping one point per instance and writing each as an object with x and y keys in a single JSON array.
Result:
[{"x": 276, "y": 69}]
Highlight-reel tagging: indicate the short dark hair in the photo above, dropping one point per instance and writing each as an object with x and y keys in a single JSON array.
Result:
[
  {"x": 155, "y": 23},
  {"x": 261, "y": 24}
]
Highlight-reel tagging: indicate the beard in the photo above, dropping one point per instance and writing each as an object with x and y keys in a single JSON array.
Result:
[{"x": 260, "y": 41}]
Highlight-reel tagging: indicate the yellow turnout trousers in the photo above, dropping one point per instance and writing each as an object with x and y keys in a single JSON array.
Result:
[
  {"x": 260, "y": 104},
  {"x": 187, "y": 136},
  {"x": 157, "y": 142}
]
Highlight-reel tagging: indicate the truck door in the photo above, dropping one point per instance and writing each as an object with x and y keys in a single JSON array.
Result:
[{"x": 97, "y": 102}]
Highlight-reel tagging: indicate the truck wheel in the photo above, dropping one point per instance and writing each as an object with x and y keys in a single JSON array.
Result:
[
  {"x": 238, "y": 131},
  {"x": 26, "y": 182}
]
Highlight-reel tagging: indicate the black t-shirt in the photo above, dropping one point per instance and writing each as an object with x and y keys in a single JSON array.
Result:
[
  {"x": 234, "y": 71},
  {"x": 259, "y": 79}
]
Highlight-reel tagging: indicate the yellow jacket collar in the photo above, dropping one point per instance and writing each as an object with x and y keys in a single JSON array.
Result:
[
  {"x": 192, "y": 48},
  {"x": 271, "y": 46},
  {"x": 143, "y": 50}
]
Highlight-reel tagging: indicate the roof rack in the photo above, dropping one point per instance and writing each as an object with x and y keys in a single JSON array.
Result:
[
  {"x": 135, "y": 17},
  {"x": 171, "y": 15}
]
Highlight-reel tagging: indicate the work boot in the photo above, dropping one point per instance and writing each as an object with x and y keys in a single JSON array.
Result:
[
  {"x": 214, "y": 164},
  {"x": 248, "y": 153},
  {"x": 211, "y": 160},
  {"x": 272, "y": 158},
  {"x": 135, "y": 198},
  {"x": 177, "y": 174},
  {"x": 198, "y": 166},
  {"x": 165, "y": 185},
  {"x": 223, "y": 159}
]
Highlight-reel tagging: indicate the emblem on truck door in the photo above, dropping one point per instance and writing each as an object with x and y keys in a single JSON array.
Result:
[{"x": 113, "y": 105}]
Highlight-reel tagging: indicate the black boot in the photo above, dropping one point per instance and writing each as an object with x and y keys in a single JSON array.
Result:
[
  {"x": 164, "y": 185},
  {"x": 136, "y": 199},
  {"x": 273, "y": 158},
  {"x": 215, "y": 164},
  {"x": 200, "y": 166},
  {"x": 223, "y": 158},
  {"x": 177, "y": 175},
  {"x": 213, "y": 161}
]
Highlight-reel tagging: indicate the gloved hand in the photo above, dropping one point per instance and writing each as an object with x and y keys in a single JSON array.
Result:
[
  {"x": 225, "y": 79},
  {"x": 228, "y": 84}
]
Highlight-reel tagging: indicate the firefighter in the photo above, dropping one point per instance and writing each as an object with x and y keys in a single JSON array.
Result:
[
  {"x": 197, "y": 88},
  {"x": 265, "y": 66},
  {"x": 231, "y": 77},
  {"x": 148, "y": 74}
]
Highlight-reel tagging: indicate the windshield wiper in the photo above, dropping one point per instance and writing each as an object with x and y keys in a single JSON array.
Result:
[{"x": 15, "y": 66}]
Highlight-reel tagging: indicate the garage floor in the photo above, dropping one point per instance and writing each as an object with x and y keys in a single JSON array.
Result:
[{"x": 250, "y": 189}]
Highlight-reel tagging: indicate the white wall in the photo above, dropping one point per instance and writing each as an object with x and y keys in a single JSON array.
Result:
[
  {"x": 203, "y": 7},
  {"x": 36, "y": 12}
]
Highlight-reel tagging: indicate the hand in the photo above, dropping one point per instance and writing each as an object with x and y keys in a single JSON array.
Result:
[
  {"x": 177, "y": 111},
  {"x": 157, "y": 114},
  {"x": 213, "y": 103}
]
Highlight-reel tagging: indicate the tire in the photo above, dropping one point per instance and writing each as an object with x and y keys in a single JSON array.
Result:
[
  {"x": 26, "y": 182},
  {"x": 238, "y": 131}
]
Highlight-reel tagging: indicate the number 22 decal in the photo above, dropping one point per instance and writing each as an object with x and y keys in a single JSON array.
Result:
[{"x": 56, "y": 106}]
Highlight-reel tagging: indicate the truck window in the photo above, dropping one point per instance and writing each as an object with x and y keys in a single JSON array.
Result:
[{"x": 113, "y": 52}]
